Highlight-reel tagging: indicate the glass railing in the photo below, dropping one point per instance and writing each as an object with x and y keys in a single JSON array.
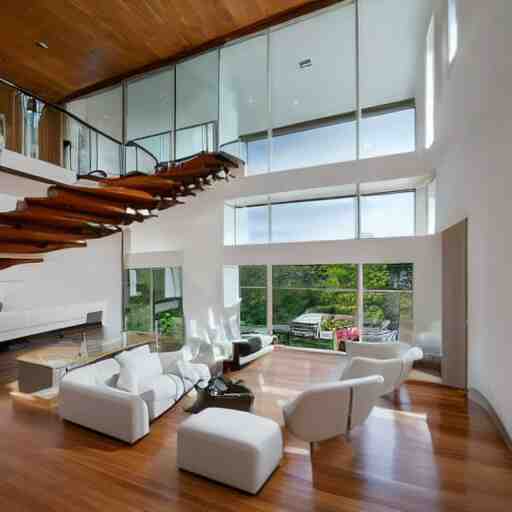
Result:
[
  {"x": 37, "y": 129},
  {"x": 143, "y": 153}
]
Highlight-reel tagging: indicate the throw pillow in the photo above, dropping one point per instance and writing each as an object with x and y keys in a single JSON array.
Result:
[{"x": 137, "y": 365}]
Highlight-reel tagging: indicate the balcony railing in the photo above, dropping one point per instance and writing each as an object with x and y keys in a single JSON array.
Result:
[{"x": 35, "y": 128}]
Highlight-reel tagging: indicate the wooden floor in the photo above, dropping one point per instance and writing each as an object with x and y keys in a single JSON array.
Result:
[{"x": 427, "y": 450}]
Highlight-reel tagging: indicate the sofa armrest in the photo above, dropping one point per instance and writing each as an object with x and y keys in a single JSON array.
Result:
[{"x": 108, "y": 410}]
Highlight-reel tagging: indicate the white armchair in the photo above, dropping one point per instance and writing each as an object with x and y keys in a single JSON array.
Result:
[
  {"x": 327, "y": 410},
  {"x": 394, "y": 361}
]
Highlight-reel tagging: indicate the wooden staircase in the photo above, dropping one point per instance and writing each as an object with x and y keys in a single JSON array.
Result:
[{"x": 72, "y": 214}]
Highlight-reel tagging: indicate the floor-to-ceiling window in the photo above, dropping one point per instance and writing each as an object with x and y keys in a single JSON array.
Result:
[
  {"x": 149, "y": 120},
  {"x": 311, "y": 301},
  {"x": 154, "y": 301},
  {"x": 305, "y": 217},
  {"x": 253, "y": 295},
  {"x": 388, "y": 302},
  {"x": 317, "y": 306}
]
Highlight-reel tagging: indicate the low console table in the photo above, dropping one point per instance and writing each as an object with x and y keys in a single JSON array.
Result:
[{"x": 235, "y": 396}]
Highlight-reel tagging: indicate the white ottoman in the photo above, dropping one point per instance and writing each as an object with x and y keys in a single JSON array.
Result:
[{"x": 233, "y": 447}]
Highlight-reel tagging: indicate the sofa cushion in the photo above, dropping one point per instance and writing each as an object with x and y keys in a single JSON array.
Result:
[
  {"x": 160, "y": 392},
  {"x": 249, "y": 346},
  {"x": 136, "y": 366}
]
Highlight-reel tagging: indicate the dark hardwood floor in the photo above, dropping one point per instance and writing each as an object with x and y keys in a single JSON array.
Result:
[{"x": 427, "y": 449}]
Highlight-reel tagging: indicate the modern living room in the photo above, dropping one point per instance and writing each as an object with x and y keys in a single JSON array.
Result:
[{"x": 253, "y": 255}]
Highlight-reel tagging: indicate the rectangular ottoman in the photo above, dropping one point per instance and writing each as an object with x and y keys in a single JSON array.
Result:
[{"x": 236, "y": 448}]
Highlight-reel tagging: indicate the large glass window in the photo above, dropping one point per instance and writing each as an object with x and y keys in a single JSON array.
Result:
[
  {"x": 311, "y": 303},
  {"x": 244, "y": 102},
  {"x": 253, "y": 295},
  {"x": 150, "y": 119},
  {"x": 313, "y": 88},
  {"x": 388, "y": 132},
  {"x": 154, "y": 299},
  {"x": 197, "y": 104},
  {"x": 388, "y": 215},
  {"x": 388, "y": 302},
  {"x": 327, "y": 219},
  {"x": 252, "y": 225},
  {"x": 316, "y": 306},
  {"x": 87, "y": 150}
]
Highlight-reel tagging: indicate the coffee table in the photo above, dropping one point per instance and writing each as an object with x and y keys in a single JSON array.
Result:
[{"x": 237, "y": 396}]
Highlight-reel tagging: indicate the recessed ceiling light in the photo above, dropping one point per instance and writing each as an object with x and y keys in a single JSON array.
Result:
[{"x": 42, "y": 44}]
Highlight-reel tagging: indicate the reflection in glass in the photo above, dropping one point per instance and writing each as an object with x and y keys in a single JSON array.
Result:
[
  {"x": 243, "y": 101},
  {"x": 150, "y": 105},
  {"x": 197, "y": 89},
  {"x": 312, "y": 84}
]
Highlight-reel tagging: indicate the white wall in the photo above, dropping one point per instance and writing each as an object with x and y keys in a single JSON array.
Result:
[
  {"x": 193, "y": 234},
  {"x": 72, "y": 276},
  {"x": 471, "y": 153}
]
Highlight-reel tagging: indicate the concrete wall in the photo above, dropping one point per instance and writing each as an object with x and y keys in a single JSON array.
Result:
[{"x": 471, "y": 154}]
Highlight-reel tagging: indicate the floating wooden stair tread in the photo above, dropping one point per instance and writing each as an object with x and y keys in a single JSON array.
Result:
[
  {"x": 36, "y": 248},
  {"x": 136, "y": 199},
  {"x": 71, "y": 214},
  {"x": 23, "y": 235},
  {"x": 12, "y": 262}
]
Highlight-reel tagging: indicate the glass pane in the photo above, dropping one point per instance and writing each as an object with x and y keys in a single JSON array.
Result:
[
  {"x": 329, "y": 219},
  {"x": 253, "y": 294},
  {"x": 150, "y": 105},
  {"x": 252, "y": 225},
  {"x": 253, "y": 310},
  {"x": 190, "y": 141},
  {"x": 388, "y": 215},
  {"x": 339, "y": 276},
  {"x": 197, "y": 90},
  {"x": 388, "y": 134},
  {"x": 138, "y": 308},
  {"x": 388, "y": 316},
  {"x": 388, "y": 276},
  {"x": 243, "y": 101},
  {"x": 229, "y": 225},
  {"x": 108, "y": 155},
  {"x": 103, "y": 110},
  {"x": 253, "y": 275},
  {"x": 169, "y": 307},
  {"x": 314, "y": 146},
  {"x": 313, "y": 83}
]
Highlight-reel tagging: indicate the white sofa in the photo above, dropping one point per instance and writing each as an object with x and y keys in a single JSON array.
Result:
[
  {"x": 89, "y": 395},
  {"x": 393, "y": 360}
]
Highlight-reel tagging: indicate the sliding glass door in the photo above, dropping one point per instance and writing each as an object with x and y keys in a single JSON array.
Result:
[{"x": 154, "y": 303}]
